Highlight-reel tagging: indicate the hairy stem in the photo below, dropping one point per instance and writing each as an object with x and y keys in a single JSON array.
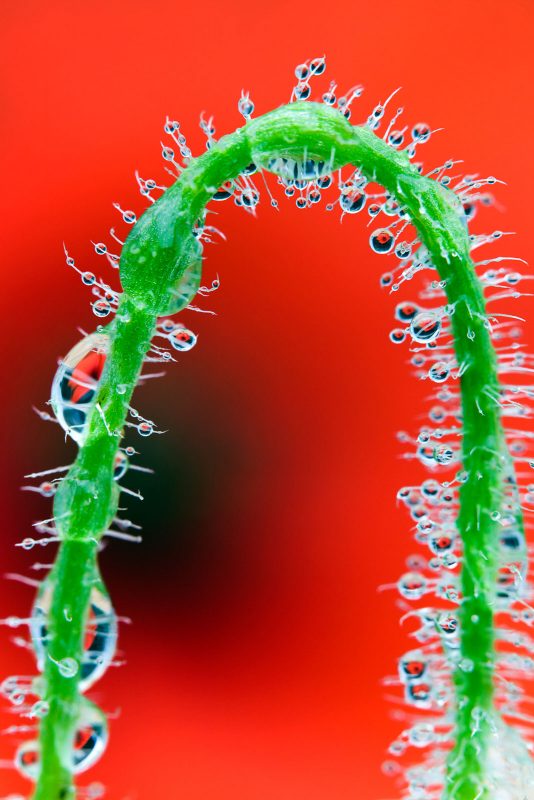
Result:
[{"x": 155, "y": 255}]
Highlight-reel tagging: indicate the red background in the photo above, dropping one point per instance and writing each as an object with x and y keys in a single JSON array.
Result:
[{"x": 258, "y": 639}]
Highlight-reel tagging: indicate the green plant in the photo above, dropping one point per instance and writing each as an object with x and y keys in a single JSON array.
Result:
[{"x": 304, "y": 144}]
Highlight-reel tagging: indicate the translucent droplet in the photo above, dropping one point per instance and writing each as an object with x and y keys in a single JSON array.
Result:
[
  {"x": 352, "y": 203},
  {"x": 27, "y": 760},
  {"x": 382, "y": 240},
  {"x": 100, "y": 634},
  {"x": 40, "y": 709},
  {"x": 145, "y": 428},
  {"x": 100, "y": 248},
  {"x": 302, "y": 91},
  {"x": 121, "y": 465},
  {"x": 225, "y": 191},
  {"x": 245, "y": 105},
  {"x": 412, "y": 585},
  {"x": 76, "y": 382},
  {"x": 412, "y": 666},
  {"x": 90, "y": 741},
  {"x": 88, "y": 278},
  {"x": 421, "y": 132},
  {"x": 318, "y": 65},
  {"x": 425, "y": 327},
  {"x": 397, "y": 335},
  {"x": 406, "y": 311},
  {"x": 101, "y": 308},
  {"x": 182, "y": 339},
  {"x": 302, "y": 72},
  {"x": 91, "y": 738},
  {"x": 438, "y": 372}
]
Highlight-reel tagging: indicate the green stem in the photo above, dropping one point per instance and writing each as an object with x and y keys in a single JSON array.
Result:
[{"x": 154, "y": 257}]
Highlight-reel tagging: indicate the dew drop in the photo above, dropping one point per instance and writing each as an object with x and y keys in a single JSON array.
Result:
[
  {"x": 425, "y": 327},
  {"x": 145, "y": 428},
  {"x": 397, "y": 335},
  {"x": 412, "y": 585},
  {"x": 352, "y": 203},
  {"x": 182, "y": 339},
  {"x": 120, "y": 466},
  {"x": 382, "y": 240},
  {"x": 76, "y": 382},
  {"x": 421, "y": 132},
  {"x": 406, "y": 311},
  {"x": 68, "y": 667},
  {"x": 100, "y": 634},
  {"x": 438, "y": 372},
  {"x": 101, "y": 308}
]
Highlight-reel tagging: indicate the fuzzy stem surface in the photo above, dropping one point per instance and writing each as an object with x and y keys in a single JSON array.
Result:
[{"x": 155, "y": 255}]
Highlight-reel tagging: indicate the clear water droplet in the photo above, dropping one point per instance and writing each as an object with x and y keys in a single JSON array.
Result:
[
  {"x": 100, "y": 634},
  {"x": 382, "y": 240},
  {"x": 182, "y": 339},
  {"x": 101, "y": 308},
  {"x": 68, "y": 667},
  {"x": 425, "y": 327},
  {"x": 76, "y": 382}
]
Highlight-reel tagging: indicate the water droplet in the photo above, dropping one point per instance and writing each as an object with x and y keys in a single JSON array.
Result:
[
  {"x": 397, "y": 335},
  {"x": 245, "y": 105},
  {"x": 100, "y": 248},
  {"x": 27, "y": 760},
  {"x": 302, "y": 72},
  {"x": 90, "y": 741},
  {"x": 40, "y": 709},
  {"x": 91, "y": 738},
  {"x": 412, "y": 585},
  {"x": 129, "y": 217},
  {"x": 438, "y": 372},
  {"x": 396, "y": 138},
  {"x": 121, "y": 465},
  {"x": 302, "y": 91},
  {"x": 421, "y": 132},
  {"x": 100, "y": 634},
  {"x": 406, "y": 311},
  {"x": 225, "y": 191},
  {"x": 443, "y": 454},
  {"x": 318, "y": 65},
  {"x": 145, "y": 428},
  {"x": 382, "y": 240},
  {"x": 47, "y": 489},
  {"x": 68, "y": 667},
  {"x": 101, "y": 308},
  {"x": 425, "y": 327},
  {"x": 88, "y": 278},
  {"x": 182, "y": 339},
  {"x": 76, "y": 382},
  {"x": 353, "y": 202}
]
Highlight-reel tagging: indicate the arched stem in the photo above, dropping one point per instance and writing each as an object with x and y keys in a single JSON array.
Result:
[{"x": 154, "y": 257}]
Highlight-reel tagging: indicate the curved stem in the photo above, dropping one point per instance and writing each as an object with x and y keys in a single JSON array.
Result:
[{"x": 155, "y": 255}]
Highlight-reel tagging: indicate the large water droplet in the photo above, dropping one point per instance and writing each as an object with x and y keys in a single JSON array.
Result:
[
  {"x": 100, "y": 634},
  {"x": 75, "y": 384},
  {"x": 425, "y": 327},
  {"x": 90, "y": 741}
]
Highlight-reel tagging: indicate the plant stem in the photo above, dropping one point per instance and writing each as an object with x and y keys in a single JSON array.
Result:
[{"x": 154, "y": 257}]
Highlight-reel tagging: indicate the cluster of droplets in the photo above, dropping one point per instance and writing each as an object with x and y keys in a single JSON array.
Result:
[
  {"x": 26, "y": 693},
  {"x": 429, "y": 589},
  {"x": 430, "y": 581}
]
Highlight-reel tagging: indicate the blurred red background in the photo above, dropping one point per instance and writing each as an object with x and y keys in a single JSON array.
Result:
[{"x": 258, "y": 639}]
